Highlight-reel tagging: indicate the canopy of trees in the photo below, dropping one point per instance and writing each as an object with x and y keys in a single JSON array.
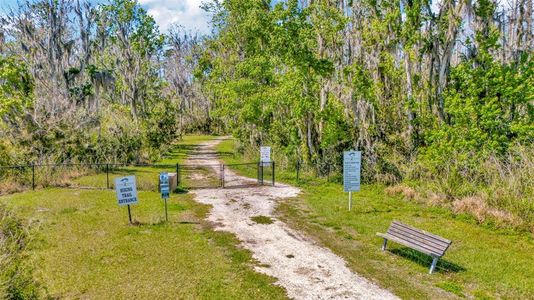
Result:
[
  {"x": 92, "y": 83},
  {"x": 440, "y": 95},
  {"x": 398, "y": 79}
]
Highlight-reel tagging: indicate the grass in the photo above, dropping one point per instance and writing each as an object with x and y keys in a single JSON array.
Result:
[
  {"x": 262, "y": 220},
  {"x": 16, "y": 277},
  {"x": 83, "y": 247},
  {"x": 482, "y": 262}
]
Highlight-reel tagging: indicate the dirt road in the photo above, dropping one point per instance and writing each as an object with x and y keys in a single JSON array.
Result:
[{"x": 305, "y": 269}]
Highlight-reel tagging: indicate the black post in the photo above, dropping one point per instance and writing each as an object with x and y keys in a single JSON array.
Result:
[
  {"x": 258, "y": 172},
  {"x": 273, "y": 172},
  {"x": 261, "y": 172},
  {"x": 107, "y": 176},
  {"x": 298, "y": 171},
  {"x": 129, "y": 214},
  {"x": 33, "y": 177},
  {"x": 222, "y": 175},
  {"x": 177, "y": 175}
]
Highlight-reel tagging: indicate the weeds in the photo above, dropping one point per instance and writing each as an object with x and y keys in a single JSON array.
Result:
[{"x": 16, "y": 278}]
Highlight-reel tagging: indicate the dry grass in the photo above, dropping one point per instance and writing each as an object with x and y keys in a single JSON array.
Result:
[
  {"x": 478, "y": 207},
  {"x": 62, "y": 177},
  {"x": 498, "y": 190},
  {"x": 406, "y": 191},
  {"x": 9, "y": 186}
]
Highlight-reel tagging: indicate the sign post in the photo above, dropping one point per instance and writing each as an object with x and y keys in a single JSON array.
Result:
[
  {"x": 164, "y": 190},
  {"x": 352, "y": 161},
  {"x": 126, "y": 192}
]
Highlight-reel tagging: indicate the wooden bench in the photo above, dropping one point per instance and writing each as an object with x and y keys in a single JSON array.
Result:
[{"x": 417, "y": 239}]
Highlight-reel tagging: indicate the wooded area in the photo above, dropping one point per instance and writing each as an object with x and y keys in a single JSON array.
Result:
[{"x": 438, "y": 96}]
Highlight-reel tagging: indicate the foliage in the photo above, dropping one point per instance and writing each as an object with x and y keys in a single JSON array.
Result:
[
  {"x": 99, "y": 99},
  {"x": 424, "y": 94},
  {"x": 16, "y": 87}
]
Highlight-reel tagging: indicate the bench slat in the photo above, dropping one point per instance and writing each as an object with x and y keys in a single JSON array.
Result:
[
  {"x": 418, "y": 236},
  {"x": 416, "y": 240},
  {"x": 437, "y": 237},
  {"x": 408, "y": 244}
]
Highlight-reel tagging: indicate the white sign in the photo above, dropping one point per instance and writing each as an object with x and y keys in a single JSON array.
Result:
[
  {"x": 126, "y": 190},
  {"x": 352, "y": 161},
  {"x": 164, "y": 185},
  {"x": 265, "y": 154}
]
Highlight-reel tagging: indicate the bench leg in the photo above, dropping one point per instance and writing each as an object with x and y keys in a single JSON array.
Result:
[
  {"x": 433, "y": 266},
  {"x": 384, "y": 245}
]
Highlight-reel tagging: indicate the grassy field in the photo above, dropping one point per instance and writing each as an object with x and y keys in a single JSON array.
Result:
[
  {"x": 482, "y": 262},
  {"x": 83, "y": 247}
]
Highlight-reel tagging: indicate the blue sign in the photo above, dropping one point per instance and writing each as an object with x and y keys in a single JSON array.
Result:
[
  {"x": 352, "y": 161},
  {"x": 164, "y": 187}
]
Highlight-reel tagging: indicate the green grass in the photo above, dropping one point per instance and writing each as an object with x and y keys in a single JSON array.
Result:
[
  {"x": 262, "y": 220},
  {"x": 84, "y": 247},
  {"x": 481, "y": 263}
]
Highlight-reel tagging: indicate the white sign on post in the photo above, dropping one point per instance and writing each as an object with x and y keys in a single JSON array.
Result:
[
  {"x": 265, "y": 155},
  {"x": 352, "y": 162},
  {"x": 126, "y": 190}
]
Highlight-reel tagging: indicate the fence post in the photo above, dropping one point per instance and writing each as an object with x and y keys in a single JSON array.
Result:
[
  {"x": 274, "y": 172},
  {"x": 258, "y": 172},
  {"x": 177, "y": 174},
  {"x": 107, "y": 176},
  {"x": 261, "y": 172},
  {"x": 222, "y": 175},
  {"x": 33, "y": 176},
  {"x": 298, "y": 170}
]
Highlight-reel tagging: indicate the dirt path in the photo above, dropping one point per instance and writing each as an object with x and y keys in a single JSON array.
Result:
[{"x": 304, "y": 269}]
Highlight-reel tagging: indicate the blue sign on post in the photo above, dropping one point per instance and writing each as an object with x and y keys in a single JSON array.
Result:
[
  {"x": 164, "y": 189},
  {"x": 164, "y": 185},
  {"x": 352, "y": 162}
]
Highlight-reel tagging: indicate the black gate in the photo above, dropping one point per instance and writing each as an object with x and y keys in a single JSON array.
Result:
[{"x": 198, "y": 176}]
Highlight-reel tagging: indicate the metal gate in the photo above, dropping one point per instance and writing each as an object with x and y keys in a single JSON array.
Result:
[{"x": 203, "y": 176}]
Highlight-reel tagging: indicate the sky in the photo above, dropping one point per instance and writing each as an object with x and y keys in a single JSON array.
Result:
[{"x": 166, "y": 12}]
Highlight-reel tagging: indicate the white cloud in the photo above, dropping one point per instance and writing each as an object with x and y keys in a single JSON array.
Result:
[{"x": 184, "y": 12}]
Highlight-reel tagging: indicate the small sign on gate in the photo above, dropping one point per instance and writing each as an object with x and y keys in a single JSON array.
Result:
[{"x": 265, "y": 155}]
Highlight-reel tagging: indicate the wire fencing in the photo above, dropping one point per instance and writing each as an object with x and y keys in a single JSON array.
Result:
[{"x": 101, "y": 175}]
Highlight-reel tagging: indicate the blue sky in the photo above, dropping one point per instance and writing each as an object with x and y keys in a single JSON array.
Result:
[{"x": 166, "y": 12}]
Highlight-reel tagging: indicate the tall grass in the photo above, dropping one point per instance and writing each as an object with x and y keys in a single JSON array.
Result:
[
  {"x": 16, "y": 279},
  {"x": 498, "y": 189}
]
